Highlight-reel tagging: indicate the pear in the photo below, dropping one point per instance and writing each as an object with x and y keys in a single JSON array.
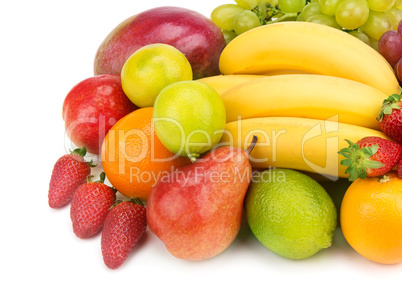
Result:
[{"x": 196, "y": 211}]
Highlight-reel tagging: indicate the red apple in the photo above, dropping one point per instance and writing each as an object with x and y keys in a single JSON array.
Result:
[
  {"x": 92, "y": 107},
  {"x": 190, "y": 32}
]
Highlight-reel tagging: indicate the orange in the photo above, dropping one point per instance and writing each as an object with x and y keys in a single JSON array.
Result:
[
  {"x": 133, "y": 158},
  {"x": 371, "y": 218}
]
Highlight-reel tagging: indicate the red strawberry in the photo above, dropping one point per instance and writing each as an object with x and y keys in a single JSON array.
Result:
[
  {"x": 370, "y": 157},
  {"x": 69, "y": 172},
  {"x": 89, "y": 207},
  {"x": 124, "y": 226},
  {"x": 390, "y": 118},
  {"x": 399, "y": 169}
]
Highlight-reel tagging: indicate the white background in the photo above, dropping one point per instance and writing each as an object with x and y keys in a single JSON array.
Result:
[{"x": 46, "y": 48}]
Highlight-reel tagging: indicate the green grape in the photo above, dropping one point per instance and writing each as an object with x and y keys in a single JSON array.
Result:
[
  {"x": 224, "y": 15},
  {"x": 377, "y": 24},
  {"x": 361, "y": 36},
  {"x": 309, "y": 10},
  {"x": 324, "y": 19},
  {"x": 262, "y": 9},
  {"x": 247, "y": 4},
  {"x": 291, "y": 5},
  {"x": 228, "y": 35},
  {"x": 272, "y": 3},
  {"x": 263, "y": 5},
  {"x": 244, "y": 21},
  {"x": 351, "y": 14},
  {"x": 328, "y": 7},
  {"x": 397, "y": 3},
  {"x": 380, "y": 5},
  {"x": 374, "y": 43},
  {"x": 395, "y": 15}
]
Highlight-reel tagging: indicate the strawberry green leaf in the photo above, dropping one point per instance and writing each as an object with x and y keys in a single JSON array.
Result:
[
  {"x": 102, "y": 178},
  {"x": 346, "y": 162},
  {"x": 369, "y": 151},
  {"x": 363, "y": 175},
  {"x": 387, "y": 110},
  {"x": 136, "y": 201},
  {"x": 353, "y": 174},
  {"x": 82, "y": 152},
  {"x": 373, "y": 164},
  {"x": 358, "y": 160},
  {"x": 79, "y": 151},
  {"x": 389, "y": 104},
  {"x": 396, "y": 106}
]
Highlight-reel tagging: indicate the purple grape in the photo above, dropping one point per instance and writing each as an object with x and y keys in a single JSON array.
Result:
[
  {"x": 400, "y": 30},
  {"x": 398, "y": 70},
  {"x": 390, "y": 46}
]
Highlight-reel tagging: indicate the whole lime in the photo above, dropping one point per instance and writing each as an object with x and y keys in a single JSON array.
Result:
[
  {"x": 189, "y": 118},
  {"x": 290, "y": 213},
  {"x": 149, "y": 69}
]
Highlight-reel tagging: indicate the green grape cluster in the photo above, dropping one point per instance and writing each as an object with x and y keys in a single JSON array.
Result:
[
  {"x": 367, "y": 20},
  {"x": 236, "y": 18}
]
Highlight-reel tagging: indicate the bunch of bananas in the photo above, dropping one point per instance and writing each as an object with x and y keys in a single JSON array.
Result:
[{"x": 302, "y": 88}]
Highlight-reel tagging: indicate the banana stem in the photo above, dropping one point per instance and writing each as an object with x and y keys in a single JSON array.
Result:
[{"x": 252, "y": 145}]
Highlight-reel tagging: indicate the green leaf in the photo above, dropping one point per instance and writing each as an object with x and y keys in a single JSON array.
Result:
[
  {"x": 387, "y": 110},
  {"x": 374, "y": 148},
  {"x": 390, "y": 103},
  {"x": 135, "y": 200},
  {"x": 373, "y": 164},
  {"x": 346, "y": 162},
  {"x": 351, "y": 144},
  {"x": 353, "y": 175},
  {"x": 395, "y": 97},
  {"x": 380, "y": 116},
  {"x": 366, "y": 151},
  {"x": 91, "y": 163},
  {"x": 363, "y": 174},
  {"x": 102, "y": 178},
  {"x": 358, "y": 160},
  {"x": 89, "y": 178},
  {"x": 396, "y": 106},
  {"x": 345, "y": 152},
  {"x": 79, "y": 151},
  {"x": 369, "y": 151}
]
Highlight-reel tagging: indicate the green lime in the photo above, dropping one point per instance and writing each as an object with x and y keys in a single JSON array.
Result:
[
  {"x": 290, "y": 213},
  {"x": 149, "y": 69},
  {"x": 189, "y": 118}
]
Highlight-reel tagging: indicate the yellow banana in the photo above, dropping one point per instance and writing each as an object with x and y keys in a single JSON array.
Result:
[
  {"x": 310, "y": 47},
  {"x": 222, "y": 83},
  {"x": 309, "y": 96},
  {"x": 305, "y": 144}
]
